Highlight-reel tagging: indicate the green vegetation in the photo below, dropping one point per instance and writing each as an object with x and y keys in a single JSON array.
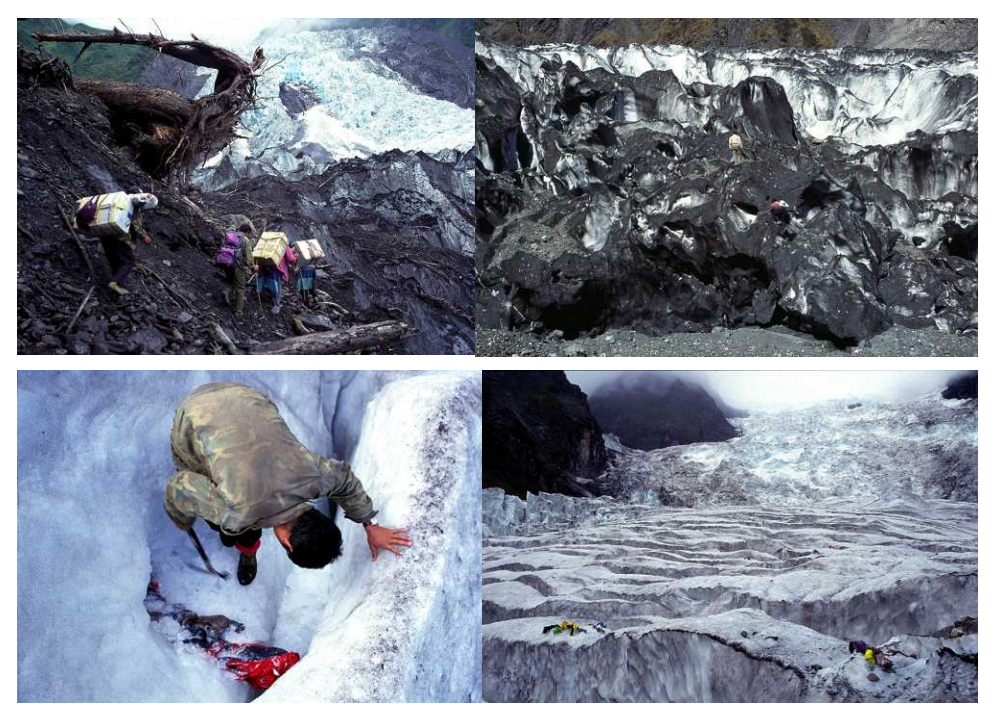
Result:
[{"x": 110, "y": 62}]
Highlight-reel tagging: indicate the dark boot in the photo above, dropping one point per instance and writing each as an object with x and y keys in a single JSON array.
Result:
[{"x": 246, "y": 571}]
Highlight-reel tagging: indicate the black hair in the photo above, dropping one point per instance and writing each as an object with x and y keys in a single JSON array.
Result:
[
  {"x": 245, "y": 227},
  {"x": 315, "y": 541}
]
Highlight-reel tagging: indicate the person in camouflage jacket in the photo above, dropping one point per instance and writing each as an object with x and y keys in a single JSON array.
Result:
[{"x": 241, "y": 469}]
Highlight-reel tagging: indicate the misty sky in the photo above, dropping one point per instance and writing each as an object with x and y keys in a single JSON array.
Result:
[{"x": 770, "y": 389}]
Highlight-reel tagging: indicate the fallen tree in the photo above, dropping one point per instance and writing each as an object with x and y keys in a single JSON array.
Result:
[
  {"x": 170, "y": 133},
  {"x": 337, "y": 342}
]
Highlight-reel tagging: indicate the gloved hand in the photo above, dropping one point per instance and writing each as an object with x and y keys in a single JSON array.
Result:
[{"x": 147, "y": 240}]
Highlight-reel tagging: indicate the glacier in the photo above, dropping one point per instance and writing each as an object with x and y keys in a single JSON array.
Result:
[
  {"x": 93, "y": 457},
  {"x": 363, "y": 108},
  {"x": 611, "y": 199},
  {"x": 863, "y": 97},
  {"x": 739, "y": 570}
]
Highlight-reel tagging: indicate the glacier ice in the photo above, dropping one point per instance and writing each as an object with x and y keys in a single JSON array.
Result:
[
  {"x": 738, "y": 571},
  {"x": 93, "y": 456},
  {"x": 861, "y": 96},
  {"x": 365, "y": 108}
]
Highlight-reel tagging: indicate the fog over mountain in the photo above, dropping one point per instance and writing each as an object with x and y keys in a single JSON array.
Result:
[{"x": 768, "y": 389}]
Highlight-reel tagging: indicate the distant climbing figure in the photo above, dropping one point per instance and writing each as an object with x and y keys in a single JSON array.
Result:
[
  {"x": 736, "y": 148},
  {"x": 779, "y": 210}
]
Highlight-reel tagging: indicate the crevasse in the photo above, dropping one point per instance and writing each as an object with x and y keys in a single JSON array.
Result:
[{"x": 93, "y": 457}]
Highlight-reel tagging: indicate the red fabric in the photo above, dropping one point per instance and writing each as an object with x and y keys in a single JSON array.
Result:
[
  {"x": 248, "y": 550},
  {"x": 260, "y": 673},
  {"x": 289, "y": 257}
]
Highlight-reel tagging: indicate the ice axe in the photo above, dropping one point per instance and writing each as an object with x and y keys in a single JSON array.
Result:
[{"x": 204, "y": 555}]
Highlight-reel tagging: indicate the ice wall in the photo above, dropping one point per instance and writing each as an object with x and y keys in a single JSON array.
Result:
[
  {"x": 864, "y": 97},
  {"x": 382, "y": 630},
  {"x": 93, "y": 458}
]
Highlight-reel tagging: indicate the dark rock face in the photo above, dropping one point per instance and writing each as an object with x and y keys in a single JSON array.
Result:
[
  {"x": 961, "y": 387},
  {"x": 172, "y": 74},
  {"x": 608, "y": 200},
  {"x": 650, "y": 410},
  {"x": 298, "y": 97},
  {"x": 539, "y": 434},
  {"x": 439, "y": 66}
]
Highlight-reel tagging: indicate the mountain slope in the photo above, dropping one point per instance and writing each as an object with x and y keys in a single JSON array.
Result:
[
  {"x": 539, "y": 434},
  {"x": 123, "y": 63},
  {"x": 653, "y": 411},
  {"x": 813, "y": 33},
  {"x": 393, "y": 231}
]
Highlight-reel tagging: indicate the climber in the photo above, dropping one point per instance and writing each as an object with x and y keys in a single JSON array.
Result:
[
  {"x": 256, "y": 664},
  {"x": 781, "y": 213},
  {"x": 235, "y": 260},
  {"x": 305, "y": 282},
  {"x": 736, "y": 148},
  {"x": 600, "y": 627},
  {"x": 241, "y": 469},
  {"x": 565, "y": 625},
  {"x": 120, "y": 249},
  {"x": 268, "y": 279}
]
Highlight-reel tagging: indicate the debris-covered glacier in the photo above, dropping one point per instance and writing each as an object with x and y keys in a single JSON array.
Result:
[
  {"x": 93, "y": 458},
  {"x": 739, "y": 571},
  {"x": 609, "y": 198}
]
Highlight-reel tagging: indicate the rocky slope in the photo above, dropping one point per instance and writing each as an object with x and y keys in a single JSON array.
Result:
[
  {"x": 814, "y": 33},
  {"x": 795, "y": 538},
  {"x": 648, "y": 411},
  {"x": 607, "y": 197},
  {"x": 396, "y": 229},
  {"x": 539, "y": 434}
]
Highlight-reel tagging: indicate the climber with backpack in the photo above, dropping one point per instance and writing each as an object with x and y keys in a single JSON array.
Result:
[
  {"x": 116, "y": 218},
  {"x": 236, "y": 262}
]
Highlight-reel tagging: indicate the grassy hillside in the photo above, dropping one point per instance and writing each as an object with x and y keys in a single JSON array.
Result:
[{"x": 112, "y": 62}]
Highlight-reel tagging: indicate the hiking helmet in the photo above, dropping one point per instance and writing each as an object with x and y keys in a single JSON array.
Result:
[{"x": 315, "y": 540}]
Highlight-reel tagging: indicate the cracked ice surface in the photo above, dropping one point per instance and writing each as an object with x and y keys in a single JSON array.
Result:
[
  {"x": 93, "y": 458},
  {"x": 364, "y": 107},
  {"x": 840, "y": 534},
  {"x": 862, "y": 97}
]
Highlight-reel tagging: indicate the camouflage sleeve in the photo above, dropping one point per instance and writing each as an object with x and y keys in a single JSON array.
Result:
[
  {"x": 348, "y": 492},
  {"x": 189, "y": 496},
  {"x": 247, "y": 254}
]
